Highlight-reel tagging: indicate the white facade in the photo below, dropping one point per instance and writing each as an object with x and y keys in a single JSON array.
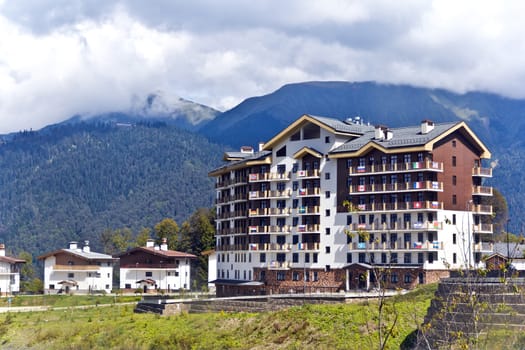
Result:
[
  {"x": 76, "y": 270},
  {"x": 9, "y": 273}
]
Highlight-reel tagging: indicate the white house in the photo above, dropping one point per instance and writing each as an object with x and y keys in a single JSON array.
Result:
[
  {"x": 77, "y": 270},
  {"x": 153, "y": 268},
  {"x": 212, "y": 268},
  {"x": 9, "y": 273}
]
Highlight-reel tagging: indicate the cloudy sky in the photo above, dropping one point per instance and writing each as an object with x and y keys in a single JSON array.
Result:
[{"x": 64, "y": 57}]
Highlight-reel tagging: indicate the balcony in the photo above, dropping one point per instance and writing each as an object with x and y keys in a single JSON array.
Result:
[
  {"x": 232, "y": 182},
  {"x": 482, "y": 172},
  {"x": 232, "y": 231},
  {"x": 269, "y": 229},
  {"x": 481, "y": 209},
  {"x": 396, "y": 167},
  {"x": 404, "y": 226},
  {"x": 270, "y": 247},
  {"x": 234, "y": 198},
  {"x": 269, "y": 177},
  {"x": 269, "y": 212},
  {"x": 232, "y": 214},
  {"x": 483, "y": 247},
  {"x": 398, "y": 187},
  {"x": 397, "y": 246},
  {"x": 482, "y": 228},
  {"x": 308, "y": 210},
  {"x": 308, "y": 228},
  {"x": 310, "y": 246},
  {"x": 305, "y": 174},
  {"x": 278, "y": 265},
  {"x": 307, "y": 192},
  {"x": 482, "y": 191},
  {"x": 434, "y": 205},
  {"x": 269, "y": 194}
]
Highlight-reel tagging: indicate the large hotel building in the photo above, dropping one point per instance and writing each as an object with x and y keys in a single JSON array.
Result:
[{"x": 329, "y": 205}]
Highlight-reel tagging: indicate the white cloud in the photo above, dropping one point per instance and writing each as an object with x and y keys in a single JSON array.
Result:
[{"x": 60, "y": 58}]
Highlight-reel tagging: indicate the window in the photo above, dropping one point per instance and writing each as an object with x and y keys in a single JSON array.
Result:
[
  {"x": 454, "y": 258},
  {"x": 149, "y": 274},
  {"x": 315, "y": 257},
  {"x": 327, "y": 268},
  {"x": 349, "y": 258},
  {"x": 362, "y": 257},
  {"x": 296, "y": 136},
  {"x": 454, "y": 238},
  {"x": 420, "y": 258},
  {"x": 393, "y": 278},
  {"x": 295, "y": 276},
  {"x": 295, "y": 257},
  {"x": 327, "y": 176},
  {"x": 454, "y": 199},
  {"x": 295, "y": 221},
  {"x": 311, "y": 131},
  {"x": 281, "y": 276},
  {"x": 408, "y": 258},
  {"x": 408, "y": 278},
  {"x": 315, "y": 276},
  {"x": 295, "y": 203},
  {"x": 295, "y": 166},
  {"x": 127, "y": 286},
  {"x": 295, "y": 185},
  {"x": 454, "y": 143},
  {"x": 51, "y": 286},
  {"x": 327, "y": 212},
  {"x": 327, "y": 230},
  {"x": 393, "y": 258},
  {"x": 327, "y": 139},
  {"x": 383, "y": 258},
  {"x": 70, "y": 275},
  {"x": 349, "y": 219},
  {"x": 262, "y": 257},
  {"x": 295, "y": 239},
  {"x": 453, "y": 219},
  {"x": 454, "y": 180},
  {"x": 453, "y": 160},
  {"x": 281, "y": 153},
  {"x": 306, "y": 258},
  {"x": 407, "y": 158}
]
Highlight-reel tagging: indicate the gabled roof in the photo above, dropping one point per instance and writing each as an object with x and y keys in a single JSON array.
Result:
[
  {"x": 251, "y": 159},
  {"x": 408, "y": 137},
  {"x": 333, "y": 125},
  {"x": 11, "y": 260},
  {"x": 158, "y": 252},
  {"x": 78, "y": 253},
  {"x": 307, "y": 150}
]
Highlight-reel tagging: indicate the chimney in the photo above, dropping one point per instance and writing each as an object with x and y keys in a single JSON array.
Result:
[
  {"x": 388, "y": 134},
  {"x": 150, "y": 243},
  {"x": 156, "y": 247},
  {"x": 164, "y": 245},
  {"x": 379, "y": 132},
  {"x": 73, "y": 245},
  {"x": 427, "y": 126},
  {"x": 2, "y": 249},
  {"x": 247, "y": 149},
  {"x": 86, "y": 248},
  {"x": 261, "y": 146}
]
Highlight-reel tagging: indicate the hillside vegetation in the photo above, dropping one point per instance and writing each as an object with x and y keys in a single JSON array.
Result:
[{"x": 73, "y": 181}]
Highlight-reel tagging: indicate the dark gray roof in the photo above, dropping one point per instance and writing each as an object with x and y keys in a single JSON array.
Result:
[
  {"x": 516, "y": 250},
  {"x": 249, "y": 156},
  {"x": 342, "y": 126},
  {"x": 402, "y": 137}
]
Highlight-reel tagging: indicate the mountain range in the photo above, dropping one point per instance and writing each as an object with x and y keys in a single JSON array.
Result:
[{"x": 132, "y": 168}]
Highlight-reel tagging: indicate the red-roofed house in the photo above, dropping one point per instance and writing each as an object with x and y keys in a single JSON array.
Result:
[
  {"x": 154, "y": 267},
  {"x": 9, "y": 273}
]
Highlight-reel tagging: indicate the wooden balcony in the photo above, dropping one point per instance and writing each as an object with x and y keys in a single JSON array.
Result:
[
  {"x": 278, "y": 265},
  {"x": 482, "y": 191},
  {"x": 404, "y": 226},
  {"x": 482, "y": 172},
  {"x": 269, "y": 212},
  {"x": 232, "y": 214},
  {"x": 483, "y": 247},
  {"x": 309, "y": 246},
  {"x": 233, "y": 198},
  {"x": 397, "y": 246},
  {"x": 270, "y": 247},
  {"x": 308, "y": 210},
  {"x": 481, "y": 209},
  {"x": 308, "y": 228},
  {"x": 269, "y": 229},
  {"x": 269, "y": 194},
  {"x": 232, "y": 182},
  {"x": 304, "y": 174},
  {"x": 396, "y": 167},
  {"x": 269, "y": 177},
  {"x": 306, "y": 192},
  {"x": 434, "y": 186},
  {"x": 482, "y": 228},
  {"x": 400, "y": 206}
]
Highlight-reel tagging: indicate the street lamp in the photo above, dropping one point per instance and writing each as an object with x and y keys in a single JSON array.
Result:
[{"x": 508, "y": 249}]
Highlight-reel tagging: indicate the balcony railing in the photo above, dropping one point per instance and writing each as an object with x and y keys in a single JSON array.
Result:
[
  {"x": 481, "y": 209},
  {"x": 232, "y": 214},
  {"x": 269, "y": 177},
  {"x": 399, "y": 206},
  {"x": 396, "y": 167},
  {"x": 397, "y": 245},
  {"x": 269, "y": 229},
  {"x": 482, "y": 228},
  {"x": 418, "y": 226},
  {"x": 236, "y": 197},
  {"x": 269, "y": 194},
  {"x": 483, "y": 247},
  {"x": 308, "y": 210},
  {"x": 302, "y": 192},
  {"x": 312, "y": 246},
  {"x": 396, "y": 187},
  {"x": 482, "y": 190},
  {"x": 286, "y": 247},
  {"x": 231, "y": 182},
  {"x": 269, "y": 212},
  {"x": 308, "y": 173},
  {"x": 483, "y": 172},
  {"x": 232, "y": 231},
  {"x": 308, "y": 228},
  {"x": 278, "y": 265}
]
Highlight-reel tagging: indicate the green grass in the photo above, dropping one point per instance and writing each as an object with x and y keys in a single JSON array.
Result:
[
  {"x": 65, "y": 300},
  {"x": 339, "y": 326}
]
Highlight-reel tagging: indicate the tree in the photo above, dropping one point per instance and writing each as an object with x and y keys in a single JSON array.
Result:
[
  {"x": 500, "y": 209},
  {"x": 168, "y": 229},
  {"x": 28, "y": 280},
  {"x": 117, "y": 241},
  {"x": 142, "y": 237}
]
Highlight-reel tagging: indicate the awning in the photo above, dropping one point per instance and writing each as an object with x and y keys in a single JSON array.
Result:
[
  {"x": 68, "y": 283},
  {"x": 148, "y": 281}
]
